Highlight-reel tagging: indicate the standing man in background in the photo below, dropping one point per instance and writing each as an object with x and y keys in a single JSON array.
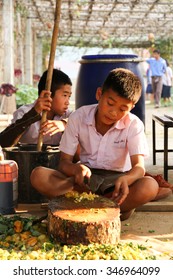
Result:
[{"x": 158, "y": 68}]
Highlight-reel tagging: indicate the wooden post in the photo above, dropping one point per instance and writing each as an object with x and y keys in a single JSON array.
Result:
[
  {"x": 9, "y": 105},
  {"x": 50, "y": 65},
  {"x": 28, "y": 63}
]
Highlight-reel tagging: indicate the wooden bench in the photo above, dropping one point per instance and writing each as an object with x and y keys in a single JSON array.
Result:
[{"x": 167, "y": 122}]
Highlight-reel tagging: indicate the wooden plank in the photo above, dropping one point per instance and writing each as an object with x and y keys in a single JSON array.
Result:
[
  {"x": 32, "y": 209},
  {"x": 164, "y": 205},
  {"x": 156, "y": 206}
]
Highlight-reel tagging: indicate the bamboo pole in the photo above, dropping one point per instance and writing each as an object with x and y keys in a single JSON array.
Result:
[{"x": 50, "y": 65}]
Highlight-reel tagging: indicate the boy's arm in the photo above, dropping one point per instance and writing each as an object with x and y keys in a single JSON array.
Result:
[
  {"x": 71, "y": 169},
  {"x": 11, "y": 135},
  {"x": 66, "y": 164},
  {"x": 138, "y": 170},
  {"x": 51, "y": 127},
  {"x": 123, "y": 182}
]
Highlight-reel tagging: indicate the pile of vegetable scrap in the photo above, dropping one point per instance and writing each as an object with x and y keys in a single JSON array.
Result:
[{"x": 26, "y": 238}]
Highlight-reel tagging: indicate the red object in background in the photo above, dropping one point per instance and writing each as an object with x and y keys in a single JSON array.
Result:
[
  {"x": 7, "y": 89},
  {"x": 17, "y": 72},
  {"x": 36, "y": 77}
]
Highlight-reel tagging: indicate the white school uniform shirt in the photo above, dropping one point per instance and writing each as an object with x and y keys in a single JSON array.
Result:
[
  {"x": 30, "y": 136},
  {"x": 110, "y": 151}
]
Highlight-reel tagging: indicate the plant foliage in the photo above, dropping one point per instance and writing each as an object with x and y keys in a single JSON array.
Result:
[{"x": 26, "y": 94}]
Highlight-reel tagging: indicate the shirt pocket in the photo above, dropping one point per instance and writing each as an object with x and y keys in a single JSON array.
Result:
[
  {"x": 120, "y": 144},
  {"x": 117, "y": 155}
]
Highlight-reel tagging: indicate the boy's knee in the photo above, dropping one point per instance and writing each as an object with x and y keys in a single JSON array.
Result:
[
  {"x": 150, "y": 187},
  {"x": 151, "y": 183},
  {"x": 35, "y": 174}
]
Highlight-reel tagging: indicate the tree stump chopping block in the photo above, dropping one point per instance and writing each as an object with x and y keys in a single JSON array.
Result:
[{"x": 84, "y": 221}]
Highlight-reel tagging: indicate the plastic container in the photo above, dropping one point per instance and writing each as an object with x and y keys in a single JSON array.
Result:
[
  {"x": 93, "y": 71},
  {"x": 8, "y": 186}
]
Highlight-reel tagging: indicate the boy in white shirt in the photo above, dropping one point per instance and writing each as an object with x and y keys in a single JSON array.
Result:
[
  {"x": 25, "y": 126},
  {"x": 112, "y": 149}
]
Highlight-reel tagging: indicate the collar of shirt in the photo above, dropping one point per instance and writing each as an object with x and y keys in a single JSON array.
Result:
[
  {"x": 64, "y": 116},
  {"x": 121, "y": 124}
]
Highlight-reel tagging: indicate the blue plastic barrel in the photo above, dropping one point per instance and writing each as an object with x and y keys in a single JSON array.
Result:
[{"x": 93, "y": 71}]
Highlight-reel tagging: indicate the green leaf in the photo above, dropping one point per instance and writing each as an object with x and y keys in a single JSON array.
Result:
[
  {"x": 151, "y": 231},
  {"x": 27, "y": 225},
  {"x": 26, "y": 94},
  {"x": 35, "y": 233},
  {"x": 3, "y": 228}
]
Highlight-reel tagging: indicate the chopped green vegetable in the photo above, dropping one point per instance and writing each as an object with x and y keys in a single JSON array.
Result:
[
  {"x": 151, "y": 231},
  {"x": 33, "y": 243}
]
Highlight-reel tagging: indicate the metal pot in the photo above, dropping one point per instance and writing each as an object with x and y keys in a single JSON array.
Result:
[{"x": 27, "y": 158}]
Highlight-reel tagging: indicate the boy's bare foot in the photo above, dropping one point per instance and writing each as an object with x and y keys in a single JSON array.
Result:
[
  {"x": 124, "y": 216},
  {"x": 162, "y": 193}
]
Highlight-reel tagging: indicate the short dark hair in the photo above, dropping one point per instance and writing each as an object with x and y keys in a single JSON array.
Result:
[
  {"x": 59, "y": 78},
  {"x": 156, "y": 51},
  {"x": 125, "y": 83}
]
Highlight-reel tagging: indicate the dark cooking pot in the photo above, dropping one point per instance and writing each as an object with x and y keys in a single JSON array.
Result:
[{"x": 27, "y": 157}]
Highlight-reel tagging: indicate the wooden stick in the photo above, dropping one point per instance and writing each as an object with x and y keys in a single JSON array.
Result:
[{"x": 50, "y": 65}]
